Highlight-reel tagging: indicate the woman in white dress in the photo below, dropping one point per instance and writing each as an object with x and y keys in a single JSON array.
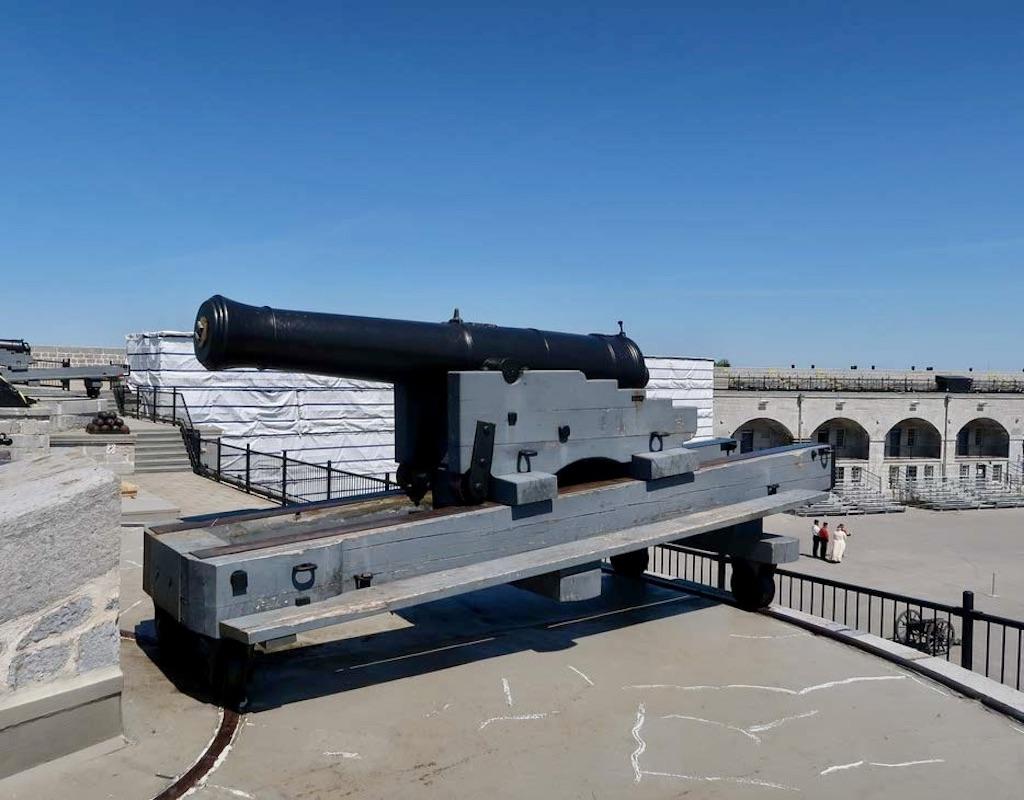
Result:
[{"x": 837, "y": 543}]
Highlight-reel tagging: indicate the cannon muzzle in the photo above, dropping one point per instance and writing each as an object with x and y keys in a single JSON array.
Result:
[{"x": 230, "y": 334}]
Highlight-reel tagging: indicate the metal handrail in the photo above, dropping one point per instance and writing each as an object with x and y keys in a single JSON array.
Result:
[
  {"x": 984, "y": 653},
  {"x": 824, "y": 382}
]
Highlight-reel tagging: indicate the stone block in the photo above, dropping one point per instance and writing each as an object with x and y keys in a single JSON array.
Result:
[
  {"x": 37, "y": 665},
  {"x": 98, "y": 647},
  {"x": 59, "y": 522},
  {"x": 68, "y": 616}
]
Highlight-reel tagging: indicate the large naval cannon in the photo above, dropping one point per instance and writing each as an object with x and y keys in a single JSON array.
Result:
[
  {"x": 544, "y": 456},
  {"x": 418, "y": 358}
]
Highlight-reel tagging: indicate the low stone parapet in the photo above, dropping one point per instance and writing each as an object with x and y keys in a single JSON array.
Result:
[
  {"x": 59, "y": 583},
  {"x": 115, "y": 451}
]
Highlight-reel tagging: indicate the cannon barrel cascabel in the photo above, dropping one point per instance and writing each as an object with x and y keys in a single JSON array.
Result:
[{"x": 231, "y": 334}]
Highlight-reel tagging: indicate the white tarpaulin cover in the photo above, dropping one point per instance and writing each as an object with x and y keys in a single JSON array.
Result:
[{"x": 317, "y": 418}]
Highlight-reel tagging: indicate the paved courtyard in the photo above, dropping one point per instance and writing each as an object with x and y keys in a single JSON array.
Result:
[
  {"x": 930, "y": 554},
  {"x": 646, "y": 692}
]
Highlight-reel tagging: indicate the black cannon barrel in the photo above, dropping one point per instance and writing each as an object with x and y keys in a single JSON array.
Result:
[{"x": 231, "y": 334}]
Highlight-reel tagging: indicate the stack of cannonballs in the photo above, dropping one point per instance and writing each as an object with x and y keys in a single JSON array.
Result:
[{"x": 106, "y": 422}]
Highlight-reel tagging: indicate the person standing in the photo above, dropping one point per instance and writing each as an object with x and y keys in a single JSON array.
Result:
[
  {"x": 815, "y": 528},
  {"x": 823, "y": 539},
  {"x": 838, "y": 545}
]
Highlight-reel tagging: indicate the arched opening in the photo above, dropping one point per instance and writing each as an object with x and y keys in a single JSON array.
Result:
[
  {"x": 848, "y": 438},
  {"x": 761, "y": 434},
  {"x": 983, "y": 438},
  {"x": 913, "y": 438}
]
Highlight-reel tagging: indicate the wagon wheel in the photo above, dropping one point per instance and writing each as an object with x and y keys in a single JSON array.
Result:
[
  {"x": 941, "y": 638},
  {"x": 907, "y": 625}
]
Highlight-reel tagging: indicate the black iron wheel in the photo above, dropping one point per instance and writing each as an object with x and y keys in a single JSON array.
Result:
[
  {"x": 632, "y": 564},
  {"x": 752, "y": 584}
]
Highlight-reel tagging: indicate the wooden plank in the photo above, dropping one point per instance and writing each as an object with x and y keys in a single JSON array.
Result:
[{"x": 400, "y": 594}]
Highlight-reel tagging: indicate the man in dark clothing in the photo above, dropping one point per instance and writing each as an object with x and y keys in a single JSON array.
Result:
[{"x": 823, "y": 535}]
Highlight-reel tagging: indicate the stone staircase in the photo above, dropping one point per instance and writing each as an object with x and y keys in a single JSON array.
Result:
[{"x": 160, "y": 449}]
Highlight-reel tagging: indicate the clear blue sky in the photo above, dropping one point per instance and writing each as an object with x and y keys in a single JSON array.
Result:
[{"x": 819, "y": 182}]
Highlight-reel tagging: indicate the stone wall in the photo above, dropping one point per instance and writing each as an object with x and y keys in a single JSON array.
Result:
[
  {"x": 59, "y": 552},
  {"x": 115, "y": 451},
  {"x": 78, "y": 355},
  {"x": 28, "y": 430}
]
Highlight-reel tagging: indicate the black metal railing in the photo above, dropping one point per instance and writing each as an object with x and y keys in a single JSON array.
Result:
[
  {"x": 279, "y": 477},
  {"x": 985, "y": 643},
  {"x": 826, "y": 382},
  {"x": 156, "y": 405}
]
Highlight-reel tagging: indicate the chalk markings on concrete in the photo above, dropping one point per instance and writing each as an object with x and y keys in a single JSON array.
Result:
[
  {"x": 928, "y": 685},
  {"x": 840, "y": 767},
  {"x": 508, "y": 692},
  {"x": 589, "y": 682},
  {"x": 515, "y": 717},
  {"x": 343, "y": 754},
  {"x": 232, "y": 791},
  {"x": 437, "y": 711},
  {"x": 855, "y": 764},
  {"x": 641, "y": 745},
  {"x": 722, "y": 779},
  {"x": 775, "y": 723},
  {"x": 701, "y": 720},
  {"x": 124, "y": 611},
  {"x": 777, "y": 689}
]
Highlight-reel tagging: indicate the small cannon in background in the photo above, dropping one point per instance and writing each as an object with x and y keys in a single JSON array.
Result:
[
  {"x": 18, "y": 367},
  {"x": 543, "y": 455}
]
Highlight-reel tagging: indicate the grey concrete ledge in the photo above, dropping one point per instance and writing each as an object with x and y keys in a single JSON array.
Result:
[
  {"x": 76, "y": 438},
  {"x": 995, "y": 695},
  {"x": 43, "y": 723}
]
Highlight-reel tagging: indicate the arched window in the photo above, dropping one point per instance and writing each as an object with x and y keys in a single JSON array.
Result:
[
  {"x": 913, "y": 438},
  {"x": 761, "y": 434},
  {"x": 848, "y": 438},
  {"x": 983, "y": 438}
]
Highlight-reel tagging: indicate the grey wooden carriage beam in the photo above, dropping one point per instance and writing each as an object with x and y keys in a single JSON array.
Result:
[{"x": 267, "y": 625}]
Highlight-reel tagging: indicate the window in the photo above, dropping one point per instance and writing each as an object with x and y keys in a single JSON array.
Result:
[
  {"x": 965, "y": 471},
  {"x": 840, "y": 437},
  {"x": 979, "y": 437},
  {"x": 911, "y": 437},
  {"x": 997, "y": 473},
  {"x": 840, "y": 474},
  {"x": 855, "y": 474},
  {"x": 894, "y": 476},
  {"x": 911, "y": 474},
  {"x": 823, "y": 436},
  {"x": 929, "y": 472}
]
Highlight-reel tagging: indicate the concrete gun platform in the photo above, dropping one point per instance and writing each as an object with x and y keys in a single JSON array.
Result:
[{"x": 647, "y": 692}]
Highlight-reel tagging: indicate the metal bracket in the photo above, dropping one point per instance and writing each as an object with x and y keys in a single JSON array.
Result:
[
  {"x": 478, "y": 477},
  {"x": 524, "y": 455}
]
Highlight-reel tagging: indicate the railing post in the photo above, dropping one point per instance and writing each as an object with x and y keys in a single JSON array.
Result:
[
  {"x": 218, "y": 458},
  {"x": 174, "y": 405},
  {"x": 248, "y": 453},
  {"x": 284, "y": 478},
  {"x": 721, "y": 571},
  {"x": 138, "y": 401},
  {"x": 328, "y": 479},
  {"x": 967, "y": 632},
  {"x": 154, "y": 405}
]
